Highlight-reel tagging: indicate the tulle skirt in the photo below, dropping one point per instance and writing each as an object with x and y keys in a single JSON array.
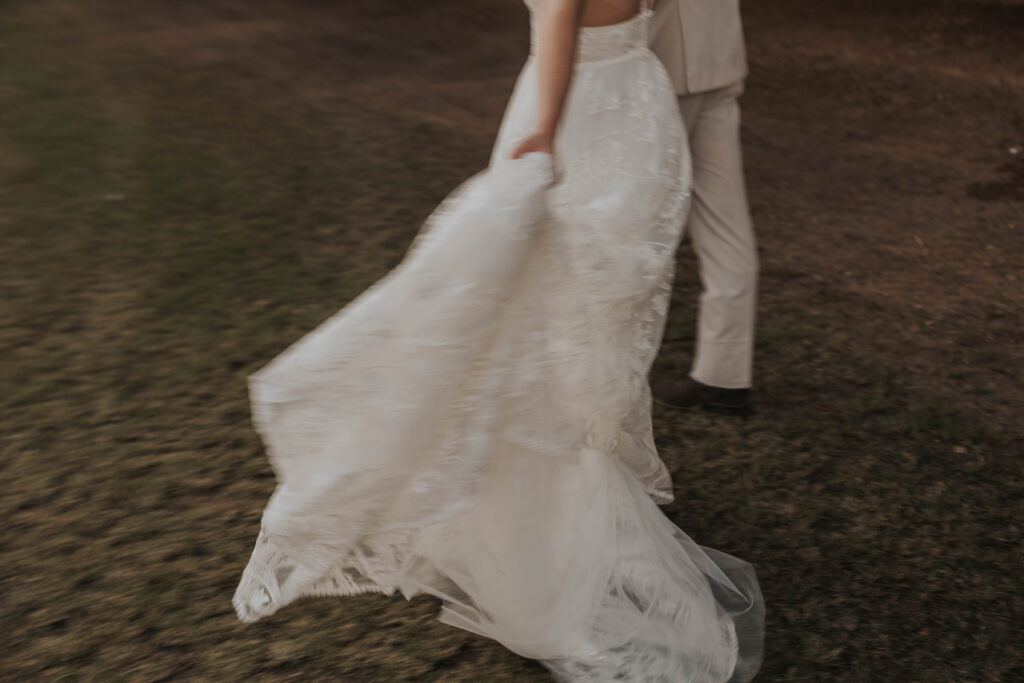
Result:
[{"x": 476, "y": 426}]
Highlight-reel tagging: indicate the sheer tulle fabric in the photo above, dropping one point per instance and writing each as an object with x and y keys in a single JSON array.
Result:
[{"x": 476, "y": 426}]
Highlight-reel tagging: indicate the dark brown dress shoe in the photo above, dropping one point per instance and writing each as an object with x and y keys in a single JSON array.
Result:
[{"x": 693, "y": 394}]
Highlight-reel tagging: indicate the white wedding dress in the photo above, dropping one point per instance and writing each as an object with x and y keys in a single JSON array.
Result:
[{"x": 476, "y": 426}]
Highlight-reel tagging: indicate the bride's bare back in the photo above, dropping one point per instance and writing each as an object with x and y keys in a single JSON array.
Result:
[{"x": 607, "y": 12}]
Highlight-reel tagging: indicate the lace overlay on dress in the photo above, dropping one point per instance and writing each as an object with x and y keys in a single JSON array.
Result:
[{"x": 477, "y": 424}]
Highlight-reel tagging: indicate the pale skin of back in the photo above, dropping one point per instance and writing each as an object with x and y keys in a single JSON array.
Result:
[{"x": 560, "y": 22}]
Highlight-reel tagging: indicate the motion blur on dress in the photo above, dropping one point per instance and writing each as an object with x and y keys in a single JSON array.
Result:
[{"x": 187, "y": 187}]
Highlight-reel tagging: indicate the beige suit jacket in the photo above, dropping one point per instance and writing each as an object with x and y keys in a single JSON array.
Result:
[{"x": 700, "y": 42}]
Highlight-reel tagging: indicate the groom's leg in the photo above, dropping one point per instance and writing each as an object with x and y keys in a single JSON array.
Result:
[{"x": 723, "y": 238}]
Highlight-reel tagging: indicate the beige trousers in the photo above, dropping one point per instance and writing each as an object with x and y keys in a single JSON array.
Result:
[{"x": 722, "y": 235}]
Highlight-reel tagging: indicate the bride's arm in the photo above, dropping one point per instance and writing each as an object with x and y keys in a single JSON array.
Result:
[{"x": 556, "y": 51}]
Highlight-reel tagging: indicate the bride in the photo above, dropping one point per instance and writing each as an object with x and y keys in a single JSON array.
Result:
[{"x": 476, "y": 426}]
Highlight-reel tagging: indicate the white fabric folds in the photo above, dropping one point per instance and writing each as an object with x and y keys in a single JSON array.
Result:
[{"x": 476, "y": 426}]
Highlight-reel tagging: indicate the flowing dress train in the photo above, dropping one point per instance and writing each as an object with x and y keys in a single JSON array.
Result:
[{"x": 476, "y": 426}]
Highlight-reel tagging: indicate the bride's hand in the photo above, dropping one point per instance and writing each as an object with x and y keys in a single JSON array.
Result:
[{"x": 539, "y": 141}]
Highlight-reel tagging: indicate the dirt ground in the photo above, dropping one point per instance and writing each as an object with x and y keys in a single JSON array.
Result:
[{"x": 187, "y": 187}]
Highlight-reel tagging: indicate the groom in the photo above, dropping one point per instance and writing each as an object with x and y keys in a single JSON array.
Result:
[{"x": 700, "y": 43}]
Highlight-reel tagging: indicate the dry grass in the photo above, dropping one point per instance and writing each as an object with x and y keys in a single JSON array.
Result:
[{"x": 185, "y": 188}]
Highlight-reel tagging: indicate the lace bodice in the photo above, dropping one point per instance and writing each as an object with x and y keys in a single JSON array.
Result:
[{"x": 601, "y": 43}]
